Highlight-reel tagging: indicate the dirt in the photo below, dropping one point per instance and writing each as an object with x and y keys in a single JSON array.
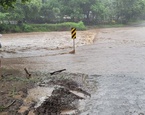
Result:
[
  {"x": 13, "y": 85},
  {"x": 23, "y": 96}
]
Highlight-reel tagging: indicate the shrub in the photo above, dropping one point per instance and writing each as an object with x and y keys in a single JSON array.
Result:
[
  {"x": 27, "y": 28},
  {"x": 59, "y": 27},
  {"x": 41, "y": 27},
  {"x": 17, "y": 29}
]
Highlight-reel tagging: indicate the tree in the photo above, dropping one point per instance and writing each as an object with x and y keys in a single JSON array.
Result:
[
  {"x": 50, "y": 11},
  {"x": 88, "y": 11},
  {"x": 128, "y": 9},
  {"x": 31, "y": 10},
  {"x": 10, "y": 3}
]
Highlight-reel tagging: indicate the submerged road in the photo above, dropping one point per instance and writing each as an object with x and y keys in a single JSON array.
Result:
[{"x": 117, "y": 56}]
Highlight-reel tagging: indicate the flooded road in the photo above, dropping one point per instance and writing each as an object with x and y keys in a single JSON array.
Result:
[
  {"x": 118, "y": 56},
  {"x": 41, "y": 43},
  {"x": 115, "y": 51}
]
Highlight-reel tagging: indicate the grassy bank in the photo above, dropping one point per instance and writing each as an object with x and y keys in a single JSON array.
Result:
[
  {"x": 66, "y": 26},
  {"x": 9, "y": 28},
  {"x": 115, "y": 25},
  {"x": 106, "y": 26}
]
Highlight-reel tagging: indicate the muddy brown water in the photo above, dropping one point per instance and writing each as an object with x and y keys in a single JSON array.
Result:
[
  {"x": 120, "y": 49},
  {"x": 41, "y": 43},
  {"x": 117, "y": 56}
]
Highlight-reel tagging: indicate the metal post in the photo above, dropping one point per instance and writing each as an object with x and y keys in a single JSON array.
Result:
[
  {"x": 73, "y": 33},
  {"x": 74, "y": 45},
  {"x": 0, "y": 59},
  {"x": 0, "y": 69}
]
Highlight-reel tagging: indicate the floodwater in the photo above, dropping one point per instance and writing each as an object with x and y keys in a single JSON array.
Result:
[
  {"x": 117, "y": 56},
  {"x": 41, "y": 43},
  {"x": 116, "y": 50}
]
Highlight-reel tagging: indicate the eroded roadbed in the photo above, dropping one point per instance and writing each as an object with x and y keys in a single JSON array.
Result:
[{"x": 44, "y": 94}]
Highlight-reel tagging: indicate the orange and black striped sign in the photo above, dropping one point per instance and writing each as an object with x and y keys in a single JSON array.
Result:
[{"x": 73, "y": 33}]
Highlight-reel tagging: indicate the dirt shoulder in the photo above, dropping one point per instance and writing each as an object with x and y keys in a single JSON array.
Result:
[{"x": 20, "y": 95}]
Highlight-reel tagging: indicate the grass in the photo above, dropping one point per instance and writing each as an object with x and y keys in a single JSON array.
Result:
[
  {"x": 116, "y": 25},
  {"x": 106, "y": 26},
  {"x": 136, "y": 22},
  {"x": 2, "y": 108},
  {"x": 21, "y": 79},
  {"x": 13, "y": 92},
  {"x": 55, "y": 27},
  {"x": 66, "y": 26}
]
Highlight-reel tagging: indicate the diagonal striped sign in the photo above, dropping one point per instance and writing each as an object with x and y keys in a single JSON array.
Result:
[{"x": 73, "y": 33}]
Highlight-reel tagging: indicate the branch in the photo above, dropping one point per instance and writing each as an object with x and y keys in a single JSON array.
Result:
[
  {"x": 28, "y": 75},
  {"x": 56, "y": 72},
  {"x": 6, "y": 107}
]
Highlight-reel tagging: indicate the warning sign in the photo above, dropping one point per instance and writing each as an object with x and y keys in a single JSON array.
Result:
[{"x": 73, "y": 33}]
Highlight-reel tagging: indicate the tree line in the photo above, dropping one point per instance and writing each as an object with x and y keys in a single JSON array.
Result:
[{"x": 56, "y": 11}]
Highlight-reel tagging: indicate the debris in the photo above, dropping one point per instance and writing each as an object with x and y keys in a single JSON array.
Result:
[
  {"x": 72, "y": 52},
  {"x": 28, "y": 75},
  {"x": 64, "y": 98},
  {"x": 60, "y": 100},
  {"x": 56, "y": 72},
  {"x": 6, "y": 107},
  {"x": 5, "y": 75},
  {"x": 71, "y": 85}
]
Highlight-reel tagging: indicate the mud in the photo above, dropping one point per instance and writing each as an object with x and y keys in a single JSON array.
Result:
[
  {"x": 42, "y": 90},
  {"x": 13, "y": 89}
]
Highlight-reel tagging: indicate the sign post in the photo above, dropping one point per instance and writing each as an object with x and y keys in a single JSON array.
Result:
[
  {"x": 0, "y": 59},
  {"x": 73, "y": 34},
  {"x": 0, "y": 69}
]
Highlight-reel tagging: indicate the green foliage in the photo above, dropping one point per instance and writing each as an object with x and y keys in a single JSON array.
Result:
[
  {"x": 27, "y": 28},
  {"x": 3, "y": 15},
  {"x": 58, "y": 27},
  {"x": 110, "y": 25},
  {"x": 90, "y": 12},
  {"x": 126, "y": 10},
  {"x": 10, "y": 3},
  {"x": 8, "y": 28}
]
